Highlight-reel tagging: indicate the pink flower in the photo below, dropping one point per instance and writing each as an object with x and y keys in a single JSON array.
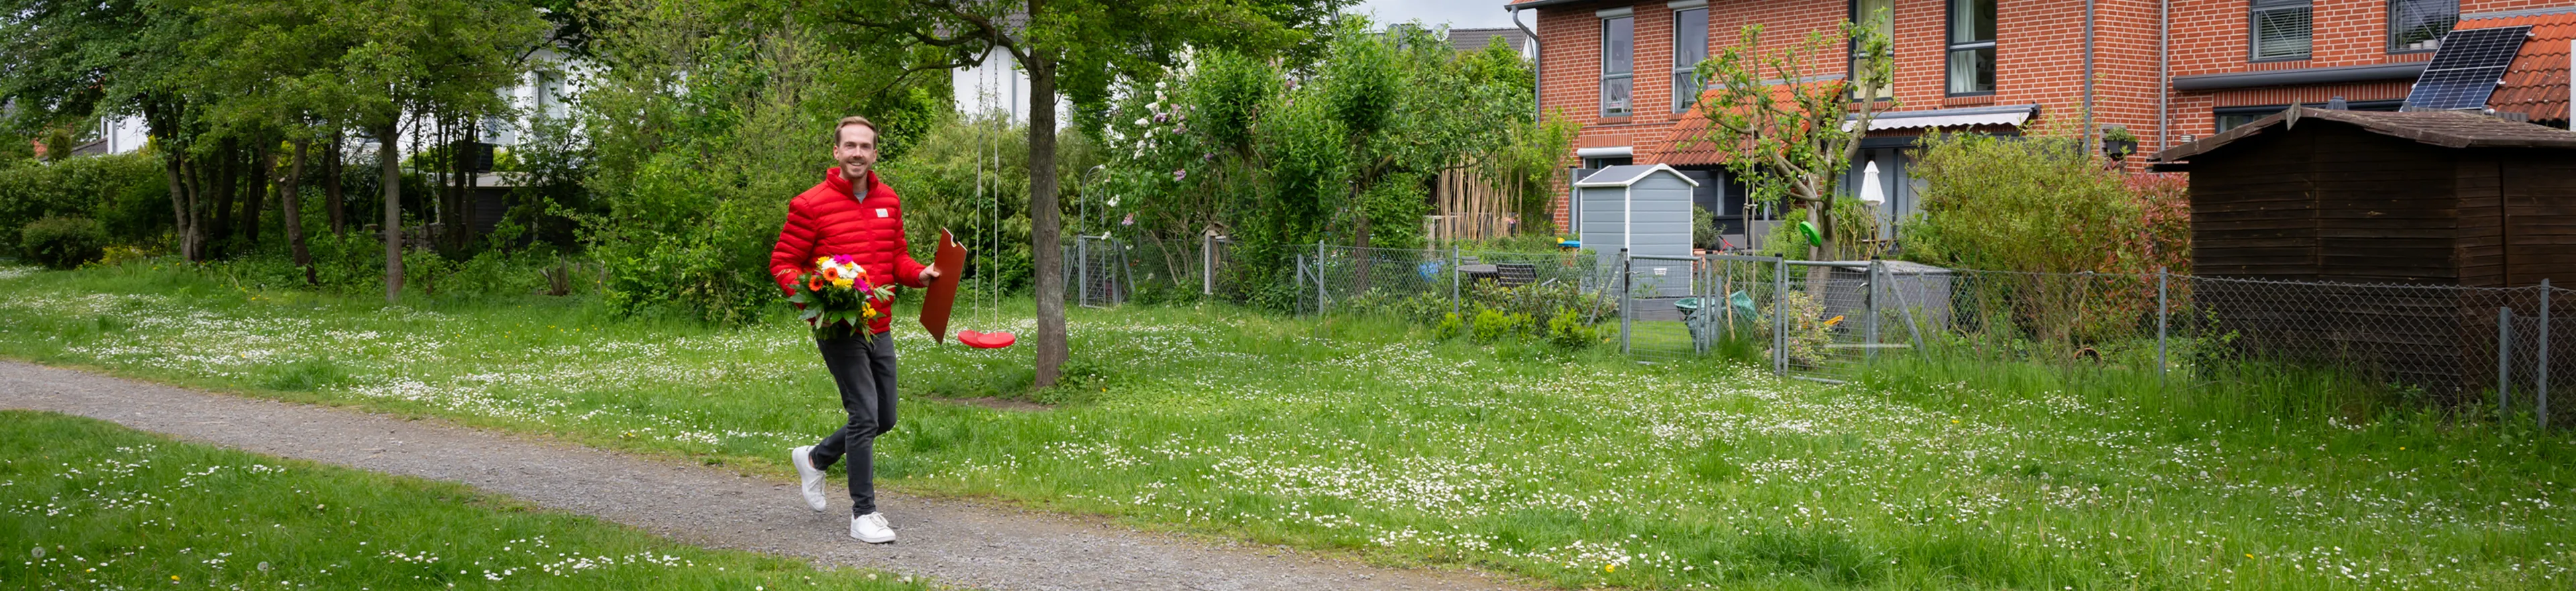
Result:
[{"x": 1180, "y": 174}]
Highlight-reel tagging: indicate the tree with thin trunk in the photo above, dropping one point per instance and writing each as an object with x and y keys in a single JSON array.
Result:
[
  {"x": 1787, "y": 116},
  {"x": 1072, "y": 49}
]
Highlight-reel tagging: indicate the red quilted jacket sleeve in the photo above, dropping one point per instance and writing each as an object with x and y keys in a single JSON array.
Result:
[
  {"x": 906, "y": 270},
  {"x": 795, "y": 246}
]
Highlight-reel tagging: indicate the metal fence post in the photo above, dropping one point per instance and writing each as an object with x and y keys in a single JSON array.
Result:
[
  {"x": 1905, "y": 308},
  {"x": 1780, "y": 317},
  {"x": 1453, "y": 278},
  {"x": 1082, "y": 256},
  {"x": 1301, "y": 280},
  {"x": 1126, "y": 269},
  {"x": 1319, "y": 278},
  {"x": 1207, "y": 264},
  {"x": 1869, "y": 305},
  {"x": 2540, "y": 401},
  {"x": 2164, "y": 311},
  {"x": 2504, "y": 362},
  {"x": 1627, "y": 281}
]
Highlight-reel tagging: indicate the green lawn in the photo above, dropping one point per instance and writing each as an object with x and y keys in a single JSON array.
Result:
[
  {"x": 1581, "y": 470},
  {"x": 91, "y": 505}
]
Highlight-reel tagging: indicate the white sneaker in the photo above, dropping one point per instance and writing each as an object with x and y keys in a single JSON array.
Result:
[
  {"x": 871, "y": 528},
  {"x": 813, "y": 477}
]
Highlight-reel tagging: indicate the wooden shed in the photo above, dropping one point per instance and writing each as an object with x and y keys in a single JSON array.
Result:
[{"x": 2440, "y": 200}]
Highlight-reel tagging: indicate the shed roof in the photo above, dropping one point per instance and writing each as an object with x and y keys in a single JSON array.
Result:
[
  {"x": 1628, "y": 174},
  {"x": 2439, "y": 128}
]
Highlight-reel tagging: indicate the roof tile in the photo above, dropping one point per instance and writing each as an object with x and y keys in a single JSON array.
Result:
[{"x": 2536, "y": 83}]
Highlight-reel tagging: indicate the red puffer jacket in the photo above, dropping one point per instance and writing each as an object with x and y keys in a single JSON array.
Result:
[{"x": 825, "y": 221}]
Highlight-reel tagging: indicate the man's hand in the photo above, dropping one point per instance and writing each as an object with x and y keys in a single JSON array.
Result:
[{"x": 929, "y": 274}]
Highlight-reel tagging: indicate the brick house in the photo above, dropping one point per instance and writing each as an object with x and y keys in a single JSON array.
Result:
[{"x": 2165, "y": 70}]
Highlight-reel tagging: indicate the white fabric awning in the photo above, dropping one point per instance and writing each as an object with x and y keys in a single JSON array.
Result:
[{"x": 2013, "y": 115}]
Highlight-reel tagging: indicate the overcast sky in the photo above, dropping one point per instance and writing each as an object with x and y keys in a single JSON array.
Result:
[{"x": 1460, "y": 14}]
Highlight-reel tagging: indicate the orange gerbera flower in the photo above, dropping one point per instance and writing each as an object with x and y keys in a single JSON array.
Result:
[{"x": 814, "y": 282}]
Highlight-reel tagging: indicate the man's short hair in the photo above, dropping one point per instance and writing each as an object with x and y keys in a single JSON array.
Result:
[{"x": 849, "y": 121}]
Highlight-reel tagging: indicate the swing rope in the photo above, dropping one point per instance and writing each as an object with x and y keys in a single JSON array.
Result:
[{"x": 988, "y": 158}]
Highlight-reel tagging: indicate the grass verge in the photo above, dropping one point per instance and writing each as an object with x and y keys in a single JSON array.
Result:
[{"x": 1363, "y": 436}]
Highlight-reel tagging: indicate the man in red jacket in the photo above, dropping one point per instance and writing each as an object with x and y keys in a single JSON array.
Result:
[{"x": 852, "y": 213}]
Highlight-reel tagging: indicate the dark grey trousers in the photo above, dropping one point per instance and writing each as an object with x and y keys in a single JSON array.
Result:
[{"x": 866, "y": 379}]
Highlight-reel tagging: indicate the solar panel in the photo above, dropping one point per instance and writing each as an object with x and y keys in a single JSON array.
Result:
[{"x": 2464, "y": 72}]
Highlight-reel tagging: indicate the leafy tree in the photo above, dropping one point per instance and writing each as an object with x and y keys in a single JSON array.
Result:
[
  {"x": 705, "y": 117},
  {"x": 1076, "y": 49},
  {"x": 77, "y": 60},
  {"x": 1281, "y": 156},
  {"x": 1790, "y": 122}
]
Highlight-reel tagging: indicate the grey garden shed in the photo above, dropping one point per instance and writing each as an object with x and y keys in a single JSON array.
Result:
[{"x": 1646, "y": 209}]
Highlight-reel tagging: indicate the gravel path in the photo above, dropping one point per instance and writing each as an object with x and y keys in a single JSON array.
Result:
[{"x": 956, "y": 542}]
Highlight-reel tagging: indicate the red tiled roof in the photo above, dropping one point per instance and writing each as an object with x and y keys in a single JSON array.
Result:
[
  {"x": 1687, "y": 143},
  {"x": 2536, "y": 83}
]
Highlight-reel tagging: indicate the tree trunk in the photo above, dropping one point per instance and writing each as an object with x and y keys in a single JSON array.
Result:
[
  {"x": 294, "y": 209},
  {"x": 1045, "y": 222},
  {"x": 224, "y": 177},
  {"x": 467, "y": 177},
  {"x": 332, "y": 201},
  {"x": 387, "y": 134},
  {"x": 264, "y": 162},
  {"x": 175, "y": 168},
  {"x": 446, "y": 186},
  {"x": 200, "y": 178}
]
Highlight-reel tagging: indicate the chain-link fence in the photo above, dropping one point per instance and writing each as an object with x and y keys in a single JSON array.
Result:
[
  {"x": 1654, "y": 294},
  {"x": 1834, "y": 320},
  {"x": 1842, "y": 316},
  {"x": 1099, "y": 271}
]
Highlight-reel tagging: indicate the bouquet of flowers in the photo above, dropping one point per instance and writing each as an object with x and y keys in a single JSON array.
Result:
[{"x": 837, "y": 298}]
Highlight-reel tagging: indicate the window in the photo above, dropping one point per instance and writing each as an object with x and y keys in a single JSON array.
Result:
[
  {"x": 547, "y": 96},
  {"x": 2279, "y": 29},
  {"x": 1690, "y": 45},
  {"x": 2418, "y": 25},
  {"x": 1618, "y": 65},
  {"x": 1972, "y": 47},
  {"x": 1878, "y": 15}
]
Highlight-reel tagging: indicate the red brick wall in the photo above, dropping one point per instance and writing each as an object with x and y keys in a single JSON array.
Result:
[{"x": 2039, "y": 58}]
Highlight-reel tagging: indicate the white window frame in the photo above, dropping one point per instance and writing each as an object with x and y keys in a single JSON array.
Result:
[
  {"x": 1627, "y": 102},
  {"x": 1686, "y": 84}
]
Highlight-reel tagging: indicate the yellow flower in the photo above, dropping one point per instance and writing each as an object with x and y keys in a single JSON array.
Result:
[
  {"x": 1612, "y": 567},
  {"x": 821, "y": 262}
]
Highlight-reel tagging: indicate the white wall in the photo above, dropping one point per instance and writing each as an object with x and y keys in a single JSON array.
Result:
[
  {"x": 999, "y": 84},
  {"x": 123, "y": 134}
]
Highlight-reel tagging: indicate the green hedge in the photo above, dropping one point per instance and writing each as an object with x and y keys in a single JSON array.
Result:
[
  {"x": 128, "y": 194},
  {"x": 62, "y": 243}
]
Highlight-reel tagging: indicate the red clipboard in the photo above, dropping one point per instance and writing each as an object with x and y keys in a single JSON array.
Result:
[{"x": 935, "y": 305}]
